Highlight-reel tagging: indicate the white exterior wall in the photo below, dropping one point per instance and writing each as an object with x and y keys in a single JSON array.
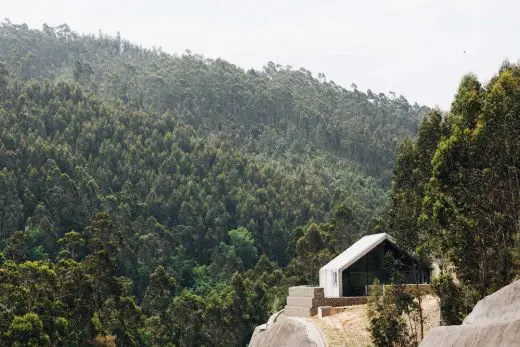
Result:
[
  {"x": 331, "y": 274},
  {"x": 331, "y": 282}
]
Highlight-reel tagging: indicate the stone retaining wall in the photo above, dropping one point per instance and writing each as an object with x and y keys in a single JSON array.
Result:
[
  {"x": 343, "y": 301},
  {"x": 324, "y": 311},
  {"x": 303, "y": 301}
]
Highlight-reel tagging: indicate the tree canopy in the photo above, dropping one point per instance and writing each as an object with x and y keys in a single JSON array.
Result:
[
  {"x": 455, "y": 193},
  {"x": 156, "y": 199}
]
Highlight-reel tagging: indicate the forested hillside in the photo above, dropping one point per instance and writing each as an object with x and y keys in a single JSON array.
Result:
[
  {"x": 272, "y": 113},
  {"x": 170, "y": 200}
]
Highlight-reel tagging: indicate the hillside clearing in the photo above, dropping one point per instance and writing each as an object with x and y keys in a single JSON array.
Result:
[{"x": 350, "y": 328}]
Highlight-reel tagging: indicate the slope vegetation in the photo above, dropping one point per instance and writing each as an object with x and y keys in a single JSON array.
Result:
[{"x": 173, "y": 191}]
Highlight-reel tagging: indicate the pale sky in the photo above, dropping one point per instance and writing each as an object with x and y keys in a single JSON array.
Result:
[{"x": 411, "y": 47}]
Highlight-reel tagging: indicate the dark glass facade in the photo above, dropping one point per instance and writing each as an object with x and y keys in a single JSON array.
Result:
[{"x": 386, "y": 263}]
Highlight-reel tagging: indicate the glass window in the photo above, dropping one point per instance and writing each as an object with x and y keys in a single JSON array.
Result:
[{"x": 357, "y": 279}]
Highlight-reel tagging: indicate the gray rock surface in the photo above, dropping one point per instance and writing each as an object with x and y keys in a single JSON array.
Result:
[
  {"x": 494, "y": 321},
  {"x": 287, "y": 332},
  {"x": 503, "y": 305}
]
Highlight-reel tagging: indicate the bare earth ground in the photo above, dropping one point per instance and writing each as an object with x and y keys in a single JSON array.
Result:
[{"x": 349, "y": 328}]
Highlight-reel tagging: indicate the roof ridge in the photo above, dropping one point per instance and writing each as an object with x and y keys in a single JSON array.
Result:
[{"x": 357, "y": 250}]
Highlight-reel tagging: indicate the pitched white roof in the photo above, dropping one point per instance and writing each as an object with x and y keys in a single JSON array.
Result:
[{"x": 356, "y": 251}]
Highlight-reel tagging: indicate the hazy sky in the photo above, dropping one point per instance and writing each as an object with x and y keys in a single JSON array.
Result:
[{"x": 411, "y": 47}]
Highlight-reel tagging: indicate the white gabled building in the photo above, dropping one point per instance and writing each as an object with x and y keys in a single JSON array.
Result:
[{"x": 351, "y": 272}]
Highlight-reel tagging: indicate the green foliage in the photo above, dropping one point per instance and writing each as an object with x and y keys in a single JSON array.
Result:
[
  {"x": 27, "y": 330},
  {"x": 72, "y": 241},
  {"x": 456, "y": 301},
  {"x": 187, "y": 310},
  {"x": 450, "y": 299},
  {"x": 311, "y": 253},
  {"x": 455, "y": 195},
  {"x": 477, "y": 166},
  {"x": 149, "y": 199},
  {"x": 395, "y": 316},
  {"x": 160, "y": 290},
  {"x": 386, "y": 325},
  {"x": 411, "y": 174},
  {"x": 16, "y": 247},
  {"x": 244, "y": 245},
  {"x": 272, "y": 112}
]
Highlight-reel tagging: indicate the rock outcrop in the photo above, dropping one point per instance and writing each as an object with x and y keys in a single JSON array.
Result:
[
  {"x": 288, "y": 332},
  {"x": 495, "y": 321}
]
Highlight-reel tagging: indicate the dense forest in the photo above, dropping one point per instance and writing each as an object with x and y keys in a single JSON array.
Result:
[
  {"x": 149, "y": 199},
  {"x": 159, "y": 200},
  {"x": 455, "y": 196},
  {"x": 454, "y": 201}
]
